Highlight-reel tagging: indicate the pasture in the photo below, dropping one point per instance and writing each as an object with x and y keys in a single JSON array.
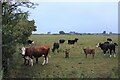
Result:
[{"x": 76, "y": 66}]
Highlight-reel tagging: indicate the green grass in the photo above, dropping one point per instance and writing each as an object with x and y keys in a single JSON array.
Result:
[{"x": 76, "y": 66}]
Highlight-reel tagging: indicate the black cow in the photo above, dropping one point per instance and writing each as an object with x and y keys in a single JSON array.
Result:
[
  {"x": 55, "y": 46},
  {"x": 107, "y": 47},
  {"x": 109, "y": 40},
  {"x": 72, "y": 41},
  {"x": 29, "y": 42},
  {"x": 61, "y": 41}
]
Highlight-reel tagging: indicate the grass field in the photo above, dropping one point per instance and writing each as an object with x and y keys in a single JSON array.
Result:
[{"x": 76, "y": 66}]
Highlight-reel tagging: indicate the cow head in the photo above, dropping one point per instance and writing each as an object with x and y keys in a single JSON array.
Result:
[
  {"x": 98, "y": 45},
  {"x": 76, "y": 39},
  {"x": 23, "y": 51}
]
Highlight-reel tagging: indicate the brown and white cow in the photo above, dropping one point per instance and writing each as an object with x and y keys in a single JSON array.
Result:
[{"x": 29, "y": 52}]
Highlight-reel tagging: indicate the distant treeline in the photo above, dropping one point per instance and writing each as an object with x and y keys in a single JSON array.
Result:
[{"x": 80, "y": 34}]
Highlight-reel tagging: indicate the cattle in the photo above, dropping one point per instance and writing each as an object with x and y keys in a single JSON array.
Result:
[
  {"x": 109, "y": 40},
  {"x": 72, "y": 41},
  {"x": 29, "y": 52},
  {"x": 89, "y": 50},
  {"x": 61, "y": 41},
  {"x": 67, "y": 53},
  {"x": 29, "y": 42},
  {"x": 107, "y": 47},
  {"x": 55, "y": 46}
]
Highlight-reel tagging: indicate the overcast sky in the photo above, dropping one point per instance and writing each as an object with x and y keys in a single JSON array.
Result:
[{"x": 82, "y": 17}]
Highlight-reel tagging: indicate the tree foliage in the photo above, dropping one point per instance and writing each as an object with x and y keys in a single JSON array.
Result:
[
  {"x": 16, "y": 28},
  {"x": 61, "y": 32},
  {"x": 104, "y": 32}
]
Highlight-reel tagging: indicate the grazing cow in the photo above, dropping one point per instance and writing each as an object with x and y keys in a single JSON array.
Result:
[
  {"x": 107, "y": 47},
  {"x": 72, "y": 41},
  {"x": 55, "y": 46},
  {"x": 88, "y": 50},
  {"x": 67, "y": 53},
  {"x": 29, "y": 52},
  {"x": 109, "y": 40},
  {"x": 61, "y": 41},
  {"x": 30, "y": 42}
]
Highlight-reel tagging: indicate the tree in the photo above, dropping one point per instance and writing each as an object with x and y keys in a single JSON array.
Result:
[
  {"x": 48, "y": 32},
  {"x": 110, "y": 32},
  {"x": 72, "y": 32},
  {"x": 104, "y": 32},
  {"x": 61, "y": 32},
  {"x": 16, "y": 28}
]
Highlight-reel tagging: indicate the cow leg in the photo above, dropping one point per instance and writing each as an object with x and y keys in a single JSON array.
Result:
[
  {"x": 104, "y": 52},
  {"x": 36, "y": 60},
  {"x": 107, "y": 51},
  {"x": 26, "y": 61},
  {"x": 114, "y": 53},
  {"x": 110, "y": 52},
  {"x": 46, "y": 61},
  {"x": 67, "y": 55},
  {"x": 53, "y": 50},
  {"x": 31, "y": 62},
  {"x": 86, "y": 55}
]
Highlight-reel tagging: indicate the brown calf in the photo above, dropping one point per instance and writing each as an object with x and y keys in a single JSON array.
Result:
[
  {"x": 88, "y": 50},
  {"x": 67, "y": 53}
]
